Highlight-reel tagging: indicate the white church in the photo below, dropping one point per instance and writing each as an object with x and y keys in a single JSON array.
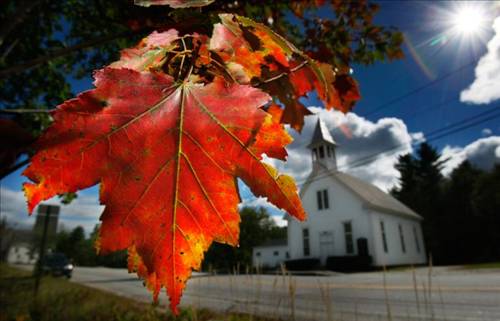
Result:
[{"x": 346, "y": 217}]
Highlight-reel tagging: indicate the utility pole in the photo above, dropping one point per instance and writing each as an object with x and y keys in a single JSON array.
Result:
[{"x": 46, "y": 211}]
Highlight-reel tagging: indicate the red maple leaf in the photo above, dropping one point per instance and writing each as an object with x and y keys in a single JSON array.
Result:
[
  {"x": 168, "y": 130},
  {"x": 167, "y": 154}
]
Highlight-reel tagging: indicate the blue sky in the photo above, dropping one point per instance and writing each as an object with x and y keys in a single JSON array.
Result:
[
  {"x": 420, "y": 22},
  {"x": 392, "y": 110}
]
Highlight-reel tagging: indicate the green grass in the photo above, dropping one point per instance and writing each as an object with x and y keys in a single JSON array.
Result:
[
  {"x": 491, "y": 265},
  {"x": 59, "y": 299}
]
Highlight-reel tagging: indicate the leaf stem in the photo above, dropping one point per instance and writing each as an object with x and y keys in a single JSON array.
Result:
[
  {"x": 223, "y": 67},
  {"x": 182, "y": 59},
  {"x": 305, "y": 62}
]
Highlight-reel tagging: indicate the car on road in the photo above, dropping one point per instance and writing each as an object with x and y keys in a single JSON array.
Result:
[{"x": 57, "y": 264}]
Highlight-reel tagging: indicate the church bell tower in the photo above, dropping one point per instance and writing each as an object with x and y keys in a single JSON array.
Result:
[{"x": 322, "y": 148}]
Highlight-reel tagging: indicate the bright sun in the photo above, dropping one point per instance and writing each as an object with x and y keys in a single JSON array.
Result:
[{"x": 468, "y": 21}]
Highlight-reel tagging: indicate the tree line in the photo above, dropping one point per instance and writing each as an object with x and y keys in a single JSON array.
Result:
[
  {"x": 461, "y": 211},
  {"x": 256, "y": 227}
]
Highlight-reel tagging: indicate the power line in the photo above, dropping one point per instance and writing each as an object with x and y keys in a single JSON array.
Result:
[
  {"x": 418, "y": 89},
  {"x": 422, "y": 109},
  {"x": 435, "y": 135},
  {"x": 438, "y": 136},
  {"x": 432, "y": 136},
  {"x": 440, "y": 104},
  {"x": 368, "y": 160}
]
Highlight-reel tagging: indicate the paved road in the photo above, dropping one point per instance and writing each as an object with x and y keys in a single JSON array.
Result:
[{"x": 446, "y": 294}]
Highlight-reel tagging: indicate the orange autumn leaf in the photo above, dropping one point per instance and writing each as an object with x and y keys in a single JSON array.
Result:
[
  {"x": 252, "y": 51},
  {"x": 167, "y": 155},
  {"x": 149, "y": 53},
  {"x": 242, "y": 61}
]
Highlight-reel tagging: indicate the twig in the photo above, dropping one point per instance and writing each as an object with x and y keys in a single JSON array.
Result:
[
  {"x": 415, "y": 287},
  {"x": 9, "y": 49},
  {"x": 283, "y": 74},
  {"x": 63, "y": 52},
  {"x": 25, "y": 111},
  {"x": 386, "y": 295}
]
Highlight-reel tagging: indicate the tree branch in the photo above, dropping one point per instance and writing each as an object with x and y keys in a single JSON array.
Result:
[
  {"x": 10, "y": 170},
  {"x": 25, "y": 111},
  {"x": 63, "y": 52},
  {"x": 25, "y": 7}
]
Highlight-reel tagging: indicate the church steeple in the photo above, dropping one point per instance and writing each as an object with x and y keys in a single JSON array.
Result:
[{"x": 322, "y": 147}]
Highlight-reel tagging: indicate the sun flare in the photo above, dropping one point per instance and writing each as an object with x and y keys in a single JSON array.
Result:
[{"x": 468, "y": 21}]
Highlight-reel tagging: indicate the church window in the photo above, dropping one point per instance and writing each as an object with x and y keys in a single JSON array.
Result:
[
  {"x": 319, "y": 199},
  {"x": 305, "y": 239},
  {"x": 321, "y": 152},
  {"x": 325, "y": 199},
  {"x": 402, "y": 238},
  {"x": 417, "y": 243},
  {"x": 276, "y": 253},
  {"x": 322, "y": 198},
  {"x": 328, "y": 151},
  {"x": 257, "y": 254},
  {"x": 349, "y": 243},
  {"x": 384, "y": 237}
]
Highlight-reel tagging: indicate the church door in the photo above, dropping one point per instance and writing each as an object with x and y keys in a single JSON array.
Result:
[{"x": 326, "y": 245}]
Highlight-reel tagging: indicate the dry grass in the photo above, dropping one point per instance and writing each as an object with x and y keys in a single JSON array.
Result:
[
  {"x": 61, "y": 300},
  {"x": 491, "y": 265}
]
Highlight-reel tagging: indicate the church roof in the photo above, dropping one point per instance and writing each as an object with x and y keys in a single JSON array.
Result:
[
  {"x": 373, "y": 196},
  {"x": 321, "y": 134}
]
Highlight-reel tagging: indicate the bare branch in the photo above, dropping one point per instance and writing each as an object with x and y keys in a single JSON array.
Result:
[
  {"x": 25, "y": 111},
  {"x": 62, "y": 52},
  {"x": 10, "y": 170}
]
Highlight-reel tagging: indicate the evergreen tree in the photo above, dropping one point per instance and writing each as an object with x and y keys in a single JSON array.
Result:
[
  {"x": 461, "y": 212},
  {"x": 486, "y": 200},
  {"x": 407, "y": 181},
  {"x": 460, "y": 224},
  {"x": 420, "y": 189}
]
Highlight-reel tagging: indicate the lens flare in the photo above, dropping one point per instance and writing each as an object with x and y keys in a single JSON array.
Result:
[{"x": 468, "y": 21}]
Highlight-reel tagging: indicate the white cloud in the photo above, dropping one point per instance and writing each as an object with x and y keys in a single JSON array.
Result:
[
  {"x": 279, "y": 220},
  {"x": 366, "y": 149},
  {"x": 275, "y": 213},
  {"x": 483, "y": 153},
  {"x": 486, "y": 132},
  {"x": 13, "y": 208},
  {"x": 454, "y": 156},
  {"x": 83, "y": 211},
  {"x": 486, "y": 86},
  {"x": 255, "y": 202}
]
